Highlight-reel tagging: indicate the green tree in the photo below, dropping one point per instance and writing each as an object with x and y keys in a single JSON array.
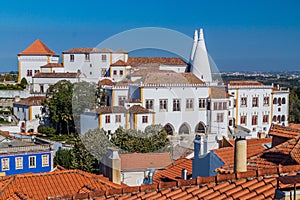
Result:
[
  {"x": 23, "y": 83},
  {"x": 82, "y": 159},
  {"x": 63, "y": 158},
  {"x": 60, "y": 105},
  {"x": 294, "y": 105}
]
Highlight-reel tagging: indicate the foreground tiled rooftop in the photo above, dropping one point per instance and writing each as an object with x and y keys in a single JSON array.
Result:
[
  {"x": 52, "y": 184},
  {"x": 258, "y": 185},
  {"x": 57, "y": 75},
  {"x": 244, "y": 83},
  {"x": 285, "y": 132}
]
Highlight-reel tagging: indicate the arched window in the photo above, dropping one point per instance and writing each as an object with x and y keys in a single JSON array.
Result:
[
  {"x": 274, "y": 118},
  {"x": 200, "y": 128},
  {"x": 184, "y": 129},
  {"x": 283, "y": 100},
  {"x": 279, "y": 101},
  {"x": 169, "y": 129},
  {"x": 275, "y": 101},
  {"x": 279, "y": 118},
  {"x": 283, "y": 118}
]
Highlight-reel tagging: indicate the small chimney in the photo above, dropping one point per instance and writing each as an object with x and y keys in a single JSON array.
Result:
[
  {"x": 184, "y": 174},
  {"x": 240, "y": 152},
  {"x": 150, "y": 176},
  {"x": 111, "y": 164}
]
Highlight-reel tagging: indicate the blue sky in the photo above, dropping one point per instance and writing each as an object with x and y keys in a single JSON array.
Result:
[{"x": 257, "y": 35}]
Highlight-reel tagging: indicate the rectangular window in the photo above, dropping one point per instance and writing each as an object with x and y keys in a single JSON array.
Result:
[
  {"x": 42, "y": 88},
  {"x": 5, "y": 164},
  {"x": 103, "y": 58},
  {"x": 145, "y": 119},
  {"x": 243, "y": 120},
  {"x": 107, "y": 119},
  {"x": 32, "y": 161},
  {"x": 202, "y": 103},
  {"x": 224, "y": 105},
  {"x": 118, "y": 118},
  {"x": 163, "y": 105},
  {"x": 121, "y": 100},
  {"x": 244, "y": 101},
  {"x": 176, "y": 105},
  {"x": 45, "y": 160},
  {"x": 266, "y": 101},
  {"x": 87, "y": 57},
  {"x": 255, "y": 102},
  {"x": 19, "y": 162},
  {"x": 254, "y": 119},
  {"x": 115, "y": 72},
  {"x": 265, "y": 118},
  {"x": 220, "y": 117},
  {"x": 189, "y": 104},
  {"x": 29, "y": 72},
  {"x": 72, "y": 58},
  {"x": 149, "y": 104},
  {"x": 121, "y": 72}
]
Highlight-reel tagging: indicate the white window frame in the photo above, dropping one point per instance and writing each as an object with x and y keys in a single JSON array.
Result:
[
  {"x": 5, "y": 161},
  {"x": 45, "y": 164},
  {"x": 163, "y": 105},
  {"x": 149, "y": 104},
  {"x": 29, "y": 164},
  {"x": 17, "y": 163},
  {"x": 189, "y": 105}
]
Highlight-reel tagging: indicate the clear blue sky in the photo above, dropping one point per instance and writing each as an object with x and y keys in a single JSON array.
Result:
[{"x": 249, "y": 35}]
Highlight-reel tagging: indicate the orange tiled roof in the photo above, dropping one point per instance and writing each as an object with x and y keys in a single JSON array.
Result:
[
  {"x": 217, "y": 93},
  {"x": 295, "y": 126},
  {"x": 57, "y": 75},
  {"x": 245, "y": 83},
  {"x": 254, "y": 147},
  {"x": 171, "y": 77},
  {"x": 137, "y": 109},
  {"x": 52, "y": 184},
  {"x": 145, "y": 160},
  {"x": 31, "y": 101},
  {"x": 119, "y": 63},
  {"x": 140, "y": 61},
  {"x": 52, "y": 65},
  {"x": 106, "y": 81},
  {"x": 38, "y": 48},
  {"x": 111, "y": 109},
  {"x": 258, "y": 185},
  {"x": 284, "y": 131},
  {"x": 173, "y": 171}
]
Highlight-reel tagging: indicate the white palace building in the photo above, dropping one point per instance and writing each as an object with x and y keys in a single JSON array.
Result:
[{"x": 182, "y": 97}]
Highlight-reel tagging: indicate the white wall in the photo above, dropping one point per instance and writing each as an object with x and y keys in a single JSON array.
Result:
[
  {"x": 113, "y": 125},
  {"x": 33, "y": 62},
  {"x": 177, "y": 118},
  {"x": 175, "y": 68},
  {"x": 281, "y": 109},
  {"x": 47, "y": 82}
]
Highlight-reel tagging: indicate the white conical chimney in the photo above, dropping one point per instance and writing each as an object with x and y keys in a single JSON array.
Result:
[
  {"x": 200, "y": 64},
  {"x": 194, "y": 45}
]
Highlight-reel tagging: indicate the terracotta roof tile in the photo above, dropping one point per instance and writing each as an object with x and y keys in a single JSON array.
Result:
[
  {"x": 137, "y": 109},
  {"x": 31, "y": 101},
  {"x": 38, "y": 48},
  {"x": 52, "y": 184},
  {"x": 245, "y": 188},
  {"x": 145, "y": 161},
  {"x": 119, "y": 63},
  {"x": 171, "y": 78},
  {"x": 173, "y": 171},
  {"x": 217, "y": 93},
  {"x": 49, "y": 65},
  {"x": 244, "y": 83},
  {"x": 284, "y": 131},
  {"x": 111, "y": 109},
  {"x": 56, "y": 75},
  {"x": 106, "y": 81},
  {"x": 144, "y": 61}
]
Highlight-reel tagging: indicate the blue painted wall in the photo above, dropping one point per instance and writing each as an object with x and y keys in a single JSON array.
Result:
[
  {"x": 39, "y": 168},
  {"x": 205, "y": 165}
]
